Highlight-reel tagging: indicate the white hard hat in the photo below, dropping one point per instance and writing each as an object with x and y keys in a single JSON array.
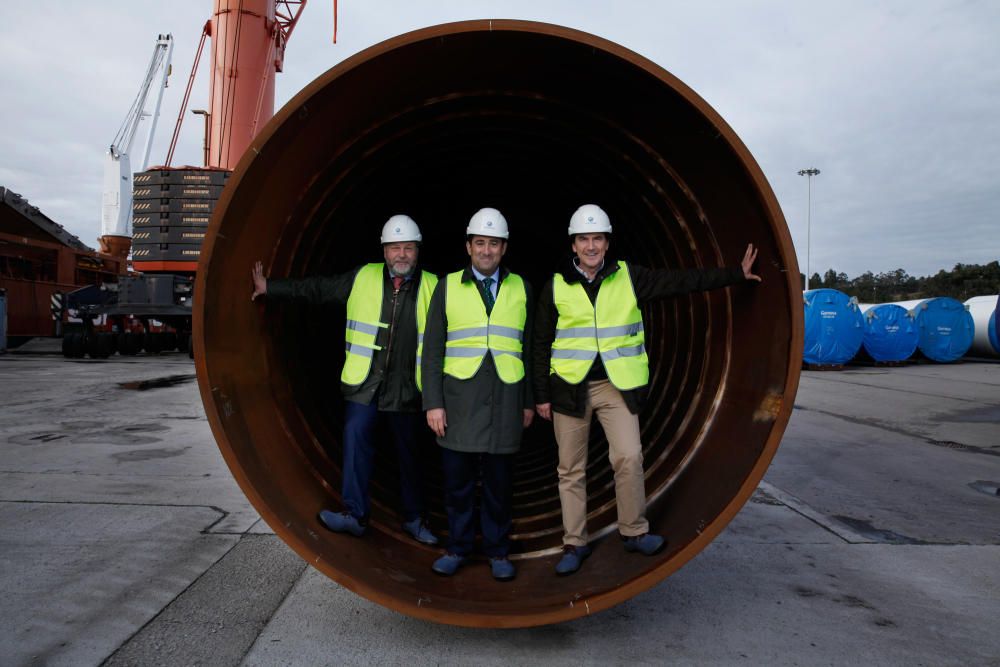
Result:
[
  {"x": 589, "y": 219},
  {"x": 488, "y": 222},
  {"x": 400, "y": 228}
]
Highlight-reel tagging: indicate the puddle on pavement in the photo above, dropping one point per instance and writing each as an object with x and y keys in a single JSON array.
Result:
[
  {"x": 157, "y": 383},
  {"x": 987, "y": 414},
  {"x": 148, "y": 454}
]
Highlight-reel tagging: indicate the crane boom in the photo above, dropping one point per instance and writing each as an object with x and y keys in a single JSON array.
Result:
[
  {"x": 248, "y": 47},
  {"x": 116, "y": 212}
]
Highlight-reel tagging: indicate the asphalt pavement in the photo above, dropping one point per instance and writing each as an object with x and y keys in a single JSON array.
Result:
[{"x": 874, "y": 539}]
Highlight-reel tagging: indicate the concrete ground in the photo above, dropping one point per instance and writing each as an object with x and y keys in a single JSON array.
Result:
[{"x": 874, "y": 539}]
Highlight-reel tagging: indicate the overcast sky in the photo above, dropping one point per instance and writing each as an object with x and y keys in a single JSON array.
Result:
[{"x": 897, "y": 103}]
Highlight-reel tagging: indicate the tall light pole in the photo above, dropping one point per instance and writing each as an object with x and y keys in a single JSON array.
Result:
[{"x": 809, "y": 173}]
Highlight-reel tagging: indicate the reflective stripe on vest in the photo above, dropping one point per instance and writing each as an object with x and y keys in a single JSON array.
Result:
[
  {"x": 612, "y": 328},
  {"x": 428, "y": 281},
  {"x": 471, "y": 332}
]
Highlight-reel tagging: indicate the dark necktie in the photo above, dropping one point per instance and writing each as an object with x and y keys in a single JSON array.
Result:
[
  {"x": 396, "y": 282},
  {"x": 487, "y": 283}
]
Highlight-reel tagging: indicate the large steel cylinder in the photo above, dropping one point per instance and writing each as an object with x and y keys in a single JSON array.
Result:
[{"x": 535, "y": 120}]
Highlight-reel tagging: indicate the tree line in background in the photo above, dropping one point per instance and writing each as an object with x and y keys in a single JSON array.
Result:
[{"x": 962, "y": 282}]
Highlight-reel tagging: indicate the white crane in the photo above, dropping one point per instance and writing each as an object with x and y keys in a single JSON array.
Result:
[{"x": 116, "y": 211}]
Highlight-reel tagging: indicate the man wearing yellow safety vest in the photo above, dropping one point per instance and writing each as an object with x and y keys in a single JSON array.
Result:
[
  {"x": 590, "y": 358},
  {"x": 477, "y": 400},
  {"x": 386, "y": 310}
]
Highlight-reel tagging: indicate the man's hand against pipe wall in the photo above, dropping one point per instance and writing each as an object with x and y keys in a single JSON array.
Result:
[
  {"x": 749, "y": 257},
  {"x": 259, "y": 281}
]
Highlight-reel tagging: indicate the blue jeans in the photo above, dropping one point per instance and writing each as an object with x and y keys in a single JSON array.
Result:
[
  {"x": 359, "y": 458},
  {"x": 461, "y": 471}
]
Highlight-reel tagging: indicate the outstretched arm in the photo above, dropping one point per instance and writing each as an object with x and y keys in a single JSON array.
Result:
[
  {"x": 318, "y": 290},
  {"x": 652, "y": 284}
]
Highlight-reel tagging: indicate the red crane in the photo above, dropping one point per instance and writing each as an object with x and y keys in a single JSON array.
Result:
[
  {"x": 172, "y": 207},
  {"x": 248, "y": 48}
]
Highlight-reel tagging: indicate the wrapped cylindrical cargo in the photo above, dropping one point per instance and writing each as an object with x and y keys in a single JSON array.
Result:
[
  {"x": 945, "y": 327},
  {"x": 890, "y": 332},
  {"x": 535, "y": 120},
  {"x": 834, "y": 328},
  {"x": 986, "y": 340}
]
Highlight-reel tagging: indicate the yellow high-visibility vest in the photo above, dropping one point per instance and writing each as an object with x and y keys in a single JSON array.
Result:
[
  {"x": 612, "y": 327},
  {"x": 364, "y": 313},
  {"x": 428, "y": 281},
  {"x": 471, "y": 332}
]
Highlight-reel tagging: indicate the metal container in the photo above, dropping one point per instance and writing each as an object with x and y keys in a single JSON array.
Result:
[
  {"x": 985, "y": 341},
  {"x": 533, "y": 119}
]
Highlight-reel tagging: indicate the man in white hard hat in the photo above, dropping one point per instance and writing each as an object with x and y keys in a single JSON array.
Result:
[
  {"x": 590, "y": 359},
  {"x": 386, "y": 310},
  {"x": 477, "y": 398}
]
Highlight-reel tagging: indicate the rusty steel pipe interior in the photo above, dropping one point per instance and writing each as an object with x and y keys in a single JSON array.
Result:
[{"x": 532, "y": 119}]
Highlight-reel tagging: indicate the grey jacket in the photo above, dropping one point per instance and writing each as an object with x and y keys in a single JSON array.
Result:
[{"x": 484, "y": 413}]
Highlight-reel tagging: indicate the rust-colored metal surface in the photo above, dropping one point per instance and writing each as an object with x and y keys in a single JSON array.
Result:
[
  {"x": 533, "y": 119},
  {"x": 248, "y": 48}
]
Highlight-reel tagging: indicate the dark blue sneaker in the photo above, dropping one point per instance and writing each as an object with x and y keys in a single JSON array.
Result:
[
  {"x": 647, "y": 544},
  {"x": 572, "y": 559},
  {"x": 503, "y": 569},
  {"x": 448, "y": 564},
  {"x": 341, "y": 522},
  {"x": 418, "y": 530}
]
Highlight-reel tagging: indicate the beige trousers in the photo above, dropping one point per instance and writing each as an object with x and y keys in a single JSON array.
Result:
[{"x": 624, "y": 451}]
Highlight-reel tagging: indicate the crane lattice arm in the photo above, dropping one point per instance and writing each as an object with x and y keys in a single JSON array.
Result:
[{"x": 116, "y": 213}]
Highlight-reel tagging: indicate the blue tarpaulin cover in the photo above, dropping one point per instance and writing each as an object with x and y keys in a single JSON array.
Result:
[
  {"x": 834, "y": 327},
  {"x": 891, "y": 333},
  {"x": 946, "y": 328}
]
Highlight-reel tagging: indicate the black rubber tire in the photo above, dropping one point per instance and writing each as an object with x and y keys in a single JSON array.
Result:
[
  {"x": 129, "y": 343},
  {"x": 67, "y": 345},
  {"x": 99, "y": 346},
  {"x": 153, "y": 343}
]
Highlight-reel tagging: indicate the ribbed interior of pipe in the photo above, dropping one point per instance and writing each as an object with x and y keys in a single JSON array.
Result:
[{"x": 534, "y": 124}]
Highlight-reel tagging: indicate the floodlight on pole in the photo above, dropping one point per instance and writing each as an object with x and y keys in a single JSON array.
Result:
[{"x": 808, "y": 173}]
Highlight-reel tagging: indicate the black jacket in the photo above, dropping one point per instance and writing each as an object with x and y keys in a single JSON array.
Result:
[
  {"x": 484, "y": 413},
  {"x": 392, "y": 376},
  {"x": 649, "y": 285}
]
